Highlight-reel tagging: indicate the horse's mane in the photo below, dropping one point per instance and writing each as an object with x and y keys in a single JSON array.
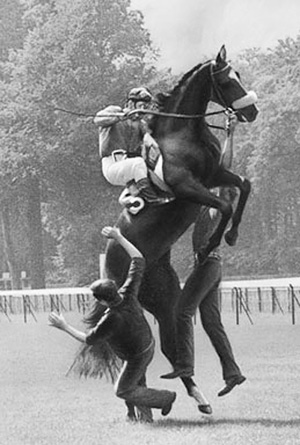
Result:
[{"x": 164, "y": 99}]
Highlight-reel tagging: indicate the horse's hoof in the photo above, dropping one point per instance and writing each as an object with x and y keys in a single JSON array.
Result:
[
  {"x": 205, "y": 409},
  {"x": 144, "y": 414},
  {"x": 131, "y": 418},
  {"x": 145, "y": 420},
  {"x": 231, "y": 238}
]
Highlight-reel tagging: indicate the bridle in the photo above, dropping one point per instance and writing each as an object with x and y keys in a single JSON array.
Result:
[
  {"x": 216, "y": 88},
  {"x": 247, "y": 99}
]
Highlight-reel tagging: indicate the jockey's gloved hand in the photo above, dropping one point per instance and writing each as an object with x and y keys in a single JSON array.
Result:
[
  {"x": 126, "y": 114},
  {"x": 150, "y": 142},
  {"x": 233, "y": 120},
  {"x": 133, "y": 114}
]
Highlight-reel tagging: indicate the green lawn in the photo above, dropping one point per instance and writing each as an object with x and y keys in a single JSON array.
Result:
[{"x": 39, "y": 405}]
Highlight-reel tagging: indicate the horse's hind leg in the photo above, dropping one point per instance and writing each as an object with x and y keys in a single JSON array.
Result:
[
  {"x": 160, "y": 292},
  {"x": 131, "y": 416},
  {"x": 194, "y": 392}
]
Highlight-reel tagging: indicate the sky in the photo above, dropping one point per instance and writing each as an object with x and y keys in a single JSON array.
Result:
[{"x": 186, "y": 31}]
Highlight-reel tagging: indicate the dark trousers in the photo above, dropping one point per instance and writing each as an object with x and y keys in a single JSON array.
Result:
[
  {"x": 131, "y": 384},
  {"x": 201, "y": 290}
]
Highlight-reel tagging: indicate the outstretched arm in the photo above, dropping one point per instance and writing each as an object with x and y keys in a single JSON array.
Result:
[
  {"x": 109, "y": 116},
  {"x": 115, "y": 233},
  {"x": 58, "y": 321}
]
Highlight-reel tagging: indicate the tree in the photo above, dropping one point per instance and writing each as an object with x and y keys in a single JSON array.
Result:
[
  {"x": 268, "y": 156},
  {"x": 12, "y": 31},
  {"x": 80, "y": 56}
]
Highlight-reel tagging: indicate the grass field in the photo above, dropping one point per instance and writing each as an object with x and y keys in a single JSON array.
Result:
[{"x": 39, "y": 405}]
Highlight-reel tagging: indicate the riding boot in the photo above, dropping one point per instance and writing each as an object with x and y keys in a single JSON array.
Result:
[{"x": 147, "y": 192}]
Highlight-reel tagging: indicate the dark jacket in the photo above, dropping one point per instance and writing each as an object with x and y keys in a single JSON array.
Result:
[{"x": 124, "y": 326}]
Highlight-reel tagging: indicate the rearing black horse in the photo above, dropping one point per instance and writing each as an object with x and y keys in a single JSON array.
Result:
[{"x": 191, "y": 165}]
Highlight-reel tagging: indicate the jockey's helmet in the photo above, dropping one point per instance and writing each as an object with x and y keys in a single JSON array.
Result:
[{"x": 139, "y": 94}]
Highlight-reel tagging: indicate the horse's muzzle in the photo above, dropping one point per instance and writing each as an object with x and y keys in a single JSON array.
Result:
[
  {"x": 245, "y": 107},
  {"x": 247, "y": 114}
]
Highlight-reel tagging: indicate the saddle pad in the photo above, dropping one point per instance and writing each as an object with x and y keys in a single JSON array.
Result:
[{"x": 157, "y": 176}]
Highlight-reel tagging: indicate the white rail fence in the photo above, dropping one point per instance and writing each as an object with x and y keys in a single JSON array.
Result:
[
  {"x": 247, "y": 298},
  {"x": 269, "y": 295},
  {"x": 29, "y": 302}
]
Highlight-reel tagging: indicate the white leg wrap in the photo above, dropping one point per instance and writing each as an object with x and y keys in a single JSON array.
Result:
[{"x": 198, "y": 396}]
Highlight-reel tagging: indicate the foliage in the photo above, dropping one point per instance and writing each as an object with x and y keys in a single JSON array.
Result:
[
  {"x": 11, "y": 26},
  {"x": 85, "y": 54},
  {"x": 79, "y": 56},
  {"x": 267, "y": 153}
]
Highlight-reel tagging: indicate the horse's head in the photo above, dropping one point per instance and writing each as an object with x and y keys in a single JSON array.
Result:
[{"x": 228, "y": 90}]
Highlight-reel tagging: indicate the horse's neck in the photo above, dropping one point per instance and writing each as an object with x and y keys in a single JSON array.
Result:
[
  {"x": 196, "y": 95},
  {"x": 190, "y": 99}
]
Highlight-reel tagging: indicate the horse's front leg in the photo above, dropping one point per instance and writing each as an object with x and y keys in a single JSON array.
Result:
[
  {"x": 244, "y": 185},
  {"x": 194, "y": 191}
]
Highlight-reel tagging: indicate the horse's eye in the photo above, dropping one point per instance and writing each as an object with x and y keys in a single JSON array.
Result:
[
  {"x": 224, "y": 81},
  {"x": 238, "y": 75}
]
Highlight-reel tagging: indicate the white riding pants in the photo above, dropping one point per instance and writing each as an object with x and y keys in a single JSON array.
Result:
[{"x": 119, "y": 172}]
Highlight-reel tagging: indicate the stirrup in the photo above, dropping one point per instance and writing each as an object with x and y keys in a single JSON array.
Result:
[{"x": 134, "y": 204}]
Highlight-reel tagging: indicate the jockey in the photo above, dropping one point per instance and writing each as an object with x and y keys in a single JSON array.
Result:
[{"x": 120, "y": 145}]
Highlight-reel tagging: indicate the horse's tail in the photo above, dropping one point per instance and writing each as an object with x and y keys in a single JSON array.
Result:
[{"x": 96, "y": 360}]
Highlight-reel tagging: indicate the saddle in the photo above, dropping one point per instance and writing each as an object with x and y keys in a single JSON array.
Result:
[{"x": 129, "y": 197}]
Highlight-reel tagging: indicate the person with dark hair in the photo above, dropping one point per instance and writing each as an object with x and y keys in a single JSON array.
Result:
[
  {"x": 125, "y": 328},
  {"x": 122, "y": 136}
]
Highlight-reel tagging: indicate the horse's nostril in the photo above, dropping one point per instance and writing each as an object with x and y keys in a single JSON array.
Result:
[
  {"x": 248, "y": 114},
  {"x": 253, "y": 114}
]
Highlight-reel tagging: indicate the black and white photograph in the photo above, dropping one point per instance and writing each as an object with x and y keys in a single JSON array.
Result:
[{"x": 149, "y": 222}]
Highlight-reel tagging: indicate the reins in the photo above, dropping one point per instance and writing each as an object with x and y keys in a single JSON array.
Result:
[
  {"x": 153, "y": 112},
  {"x": 226, "y": 110},
  {"x": 74, "y": 113},
  {"x": 142, "y": 111},
  {"x": 175, "y": 115}
]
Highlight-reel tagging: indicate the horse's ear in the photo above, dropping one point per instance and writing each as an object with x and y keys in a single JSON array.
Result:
[{"x": 221, "y": 57}]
